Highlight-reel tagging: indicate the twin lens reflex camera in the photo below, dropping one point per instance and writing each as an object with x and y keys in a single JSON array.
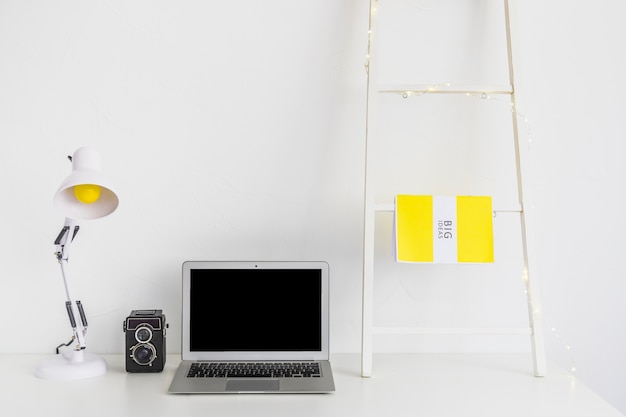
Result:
[{"x": 145, "y": 341}]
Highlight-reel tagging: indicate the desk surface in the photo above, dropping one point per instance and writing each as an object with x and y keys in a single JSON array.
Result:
[{"x": 411, "y": 385}]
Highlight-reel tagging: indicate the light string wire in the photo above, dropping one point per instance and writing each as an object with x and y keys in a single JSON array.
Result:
[{"x": 444, "y": 88}]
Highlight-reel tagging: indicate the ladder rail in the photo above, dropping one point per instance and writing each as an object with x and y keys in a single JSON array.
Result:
[
  {"x": 532, "y": 286},
  {"x": 369, "y": 203}
]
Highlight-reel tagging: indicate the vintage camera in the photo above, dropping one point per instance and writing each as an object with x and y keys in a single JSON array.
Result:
[{"x": 145, "y": 341}]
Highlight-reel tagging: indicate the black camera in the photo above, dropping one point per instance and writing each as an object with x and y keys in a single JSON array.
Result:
[{"x": 145, "y": 341}]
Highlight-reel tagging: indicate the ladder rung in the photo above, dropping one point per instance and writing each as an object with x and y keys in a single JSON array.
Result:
[
  {"x": 454, "y": 331},
  {"x": 391, "y": 208},
  {"x": 384, "y": 207},
  {"x": 445, "y": 89}
]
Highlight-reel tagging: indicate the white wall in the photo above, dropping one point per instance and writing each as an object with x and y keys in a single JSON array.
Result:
[
  {"x": 235, "y": 130},
  {"x": 574, "y": 65}
]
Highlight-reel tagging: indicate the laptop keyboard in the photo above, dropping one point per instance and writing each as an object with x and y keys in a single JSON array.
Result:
[{"x": 254, "y": 370}]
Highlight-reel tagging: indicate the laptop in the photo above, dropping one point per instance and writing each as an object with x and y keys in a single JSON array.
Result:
[{"x": 254, "y": 327}]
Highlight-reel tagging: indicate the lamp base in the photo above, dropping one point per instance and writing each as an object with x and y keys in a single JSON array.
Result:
[{"x": 76, "y": 364}]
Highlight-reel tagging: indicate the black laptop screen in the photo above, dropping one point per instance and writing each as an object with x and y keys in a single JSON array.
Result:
[{"x": 255, "y": 310}]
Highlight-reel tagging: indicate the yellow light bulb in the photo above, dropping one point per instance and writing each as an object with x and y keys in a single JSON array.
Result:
[{"x": 87, "y": 193}]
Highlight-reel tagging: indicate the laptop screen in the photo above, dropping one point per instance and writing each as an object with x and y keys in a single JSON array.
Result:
[{"x": 255, "y": 310}]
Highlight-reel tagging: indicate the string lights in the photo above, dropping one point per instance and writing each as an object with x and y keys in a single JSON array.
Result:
[
  {"x": 497, "y": 96},
  {"x": 567, "y": 348},
  {"x": 492, "y": 94}
]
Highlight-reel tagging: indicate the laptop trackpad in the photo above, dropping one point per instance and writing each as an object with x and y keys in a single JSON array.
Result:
[{"x": 252, "y": 385}]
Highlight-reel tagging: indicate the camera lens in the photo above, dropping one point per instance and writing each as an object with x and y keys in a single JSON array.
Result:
[
  {"x": 143, "y": 334},
  {"x": 144, "y": 354}
]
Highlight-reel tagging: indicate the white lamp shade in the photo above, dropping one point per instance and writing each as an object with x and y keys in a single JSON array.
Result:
[{"x": 85, "y": 170}]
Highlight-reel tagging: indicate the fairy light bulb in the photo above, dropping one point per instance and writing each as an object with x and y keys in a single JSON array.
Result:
[{"x": 87, "y": 193}]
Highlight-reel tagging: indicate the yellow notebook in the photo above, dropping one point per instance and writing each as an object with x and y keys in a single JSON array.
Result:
[{"x": 443, "y": 229}]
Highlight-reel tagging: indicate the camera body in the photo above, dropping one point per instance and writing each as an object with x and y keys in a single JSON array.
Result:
[{"x": 145, "y": 341}]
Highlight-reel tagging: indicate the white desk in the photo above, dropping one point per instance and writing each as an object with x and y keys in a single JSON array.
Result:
[{"x": 402, "y": 385}]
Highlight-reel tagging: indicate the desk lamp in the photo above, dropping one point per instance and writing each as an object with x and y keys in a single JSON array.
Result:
[{"x": 85, "y": 194}]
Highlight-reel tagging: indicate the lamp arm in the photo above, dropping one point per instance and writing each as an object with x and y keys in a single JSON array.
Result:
[
  {"x": 74, "y": 308},
  {"x": 65, "y": 238}
]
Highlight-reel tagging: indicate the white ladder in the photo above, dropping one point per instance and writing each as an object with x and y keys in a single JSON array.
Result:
[{"x": 371, "y": 207}]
